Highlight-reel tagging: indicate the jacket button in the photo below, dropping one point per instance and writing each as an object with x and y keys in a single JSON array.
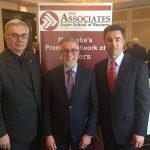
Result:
[{"x": 70, "y": 107}]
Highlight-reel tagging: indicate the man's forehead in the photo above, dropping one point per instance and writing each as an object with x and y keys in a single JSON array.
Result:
[
  {"x": 69, "y": 44},
  {"x": 17, "y": 28},
  {"x": 113, "y": 34}
]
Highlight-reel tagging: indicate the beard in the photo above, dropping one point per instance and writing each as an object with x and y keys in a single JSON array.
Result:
[{"x": 70, "y": 62}]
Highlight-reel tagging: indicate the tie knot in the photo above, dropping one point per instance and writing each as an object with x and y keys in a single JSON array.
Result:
[
  {"x": 70, "y": 72},
  {"x": 113, "y": 64}
]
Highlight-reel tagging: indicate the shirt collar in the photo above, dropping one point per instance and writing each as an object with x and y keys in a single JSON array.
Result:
[
  {"x": 118, "y": 60},
  {"x": 15, "y": 56},
  {"x": 74, "y": 68}
]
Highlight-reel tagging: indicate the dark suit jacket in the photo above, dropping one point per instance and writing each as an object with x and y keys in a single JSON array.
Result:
[
  {"x": 19, "y": 103},
  {"x": 138, "y": 52},
  {"x": 80, "y": 114},
  {"x": 126, "y": 110}
]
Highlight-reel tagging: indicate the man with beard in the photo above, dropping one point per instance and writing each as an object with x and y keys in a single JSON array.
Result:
[{"x": 70, "y": 102}]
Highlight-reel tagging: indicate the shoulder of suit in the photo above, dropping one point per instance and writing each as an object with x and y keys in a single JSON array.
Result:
[
  {"x": 132, "y": 60},
  {"x": 56, "y": 70},
  {"x": 102, "y": 62},
  {"x": 84, "y": 69},
  {"x": 3, "y": 54},
  {"x": 30, "y": 54},
  {"x": 32, "y": 57},
  {"x": 85, "y": 73}
]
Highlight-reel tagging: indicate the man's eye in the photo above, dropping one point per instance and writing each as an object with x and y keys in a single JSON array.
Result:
[
  {"x": 15, "y": 35},
  {"x": 66, "y": 50},
  {"x": 73, "y": 50}
]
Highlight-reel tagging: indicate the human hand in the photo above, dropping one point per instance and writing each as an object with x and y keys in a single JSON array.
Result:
[
  {"x": 98, "y": 133},
  {"x": 50, "y": 143},
  {"x": 5, "y": 142},
  {"x": 85, "y": 141},
  {"x": 137, "y": 141}
]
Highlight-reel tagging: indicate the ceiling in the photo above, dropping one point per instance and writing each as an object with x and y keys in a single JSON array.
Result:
[
  {"x": 68, "y": 1},
  {"x": 117, "y": 3},
  {"x": 73, "y": 1}
]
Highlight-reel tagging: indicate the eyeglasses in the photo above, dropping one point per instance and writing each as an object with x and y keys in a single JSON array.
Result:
[
  {"x": 17, "y": 36},
  {"x": 73, "y": 51}
]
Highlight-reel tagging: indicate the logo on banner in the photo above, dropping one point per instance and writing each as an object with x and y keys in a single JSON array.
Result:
[{"x": 48, "y": 21}]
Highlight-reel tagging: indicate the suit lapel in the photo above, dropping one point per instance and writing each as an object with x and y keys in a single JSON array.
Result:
[
  {"x": 77, "y": 79},
  {"x": 122, "y": 71},
  {"x": 32, "y": 70},
  {"x": 61, "y": 83},
  {"x": 103, "y": 75},
  {"x": 106, "y": 76},
  {"x": 77, "y": 82},
  {"x": 14, "y": 67}
]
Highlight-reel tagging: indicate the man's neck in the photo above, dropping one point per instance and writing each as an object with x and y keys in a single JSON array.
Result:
[{"x": 19, "y": 53}]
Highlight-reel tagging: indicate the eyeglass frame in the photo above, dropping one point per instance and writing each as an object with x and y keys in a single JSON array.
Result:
[
  {"x": 73, "y": 51},
  {"x": 16, "y": 36}
]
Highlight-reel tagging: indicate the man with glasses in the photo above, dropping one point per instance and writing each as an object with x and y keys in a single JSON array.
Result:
[
  {"x": 70, "y": 102},
  {"x": 19, "y": 91}
]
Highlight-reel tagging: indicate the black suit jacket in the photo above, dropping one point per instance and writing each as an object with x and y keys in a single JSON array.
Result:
[
  {"x": 19, "y": 104},
  {"x": 126, "y": 110},
  {"x": 138, "y": 52},
  {"x": 79, "y": 114}
]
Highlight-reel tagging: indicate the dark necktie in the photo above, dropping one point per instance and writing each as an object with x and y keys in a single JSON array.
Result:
[
  {"x": 25, "y": 70},
  {"x": 112, "y": 75},
  {"x": 70, "y": 83}
]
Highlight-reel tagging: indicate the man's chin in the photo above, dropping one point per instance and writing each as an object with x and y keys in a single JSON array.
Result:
[{"x": 69, "y": 64}]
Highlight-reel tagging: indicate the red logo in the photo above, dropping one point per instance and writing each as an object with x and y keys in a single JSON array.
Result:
[{"x": 49, "y": 21}]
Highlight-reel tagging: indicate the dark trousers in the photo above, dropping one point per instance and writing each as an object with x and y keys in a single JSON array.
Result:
[
  {"x": 71, "y": 145},
  {"x": 110, "y": 143},
  {"x": 20, "y": 146},
  {"x": 34, "y": 145},
  {"x": 31, "y": 146},
  {"x": 113, "y": 145}
]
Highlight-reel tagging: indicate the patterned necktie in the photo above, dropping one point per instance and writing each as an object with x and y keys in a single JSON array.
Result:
[
  {"x": 112, "y": 75},
  {"x": 70, "y": 83}
]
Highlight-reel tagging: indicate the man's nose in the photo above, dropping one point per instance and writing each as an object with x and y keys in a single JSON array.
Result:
[{"x": 69, "y": 53}]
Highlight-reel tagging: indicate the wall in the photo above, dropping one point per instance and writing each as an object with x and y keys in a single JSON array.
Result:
[
  {"x": 136, "y": 21},
  {"x": 11, "y": 6}
]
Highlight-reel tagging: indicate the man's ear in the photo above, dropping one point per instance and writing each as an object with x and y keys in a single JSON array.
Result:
[{"x": 5, "y": 36}]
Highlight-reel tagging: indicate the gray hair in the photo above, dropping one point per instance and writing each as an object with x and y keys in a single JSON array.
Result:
[
  {"x": 15, "y": 22},
  {"x": 135, "y": 41},
  {"x": 65, "y": 40}
]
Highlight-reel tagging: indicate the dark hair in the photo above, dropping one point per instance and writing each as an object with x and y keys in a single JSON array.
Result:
[{"x": 114, "y": 27}]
